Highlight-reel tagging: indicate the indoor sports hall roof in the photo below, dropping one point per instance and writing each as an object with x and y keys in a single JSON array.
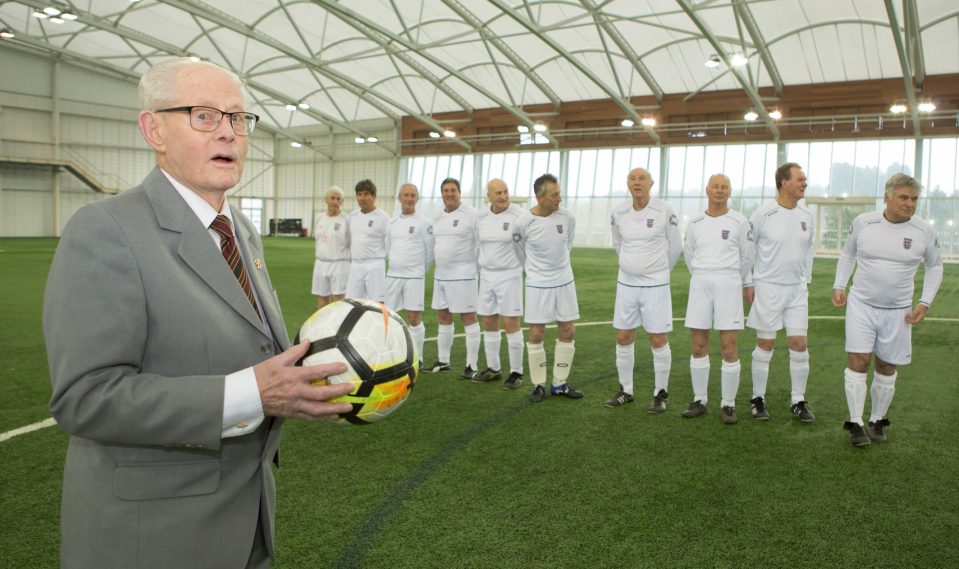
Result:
[{"x": 332, "y": 63}]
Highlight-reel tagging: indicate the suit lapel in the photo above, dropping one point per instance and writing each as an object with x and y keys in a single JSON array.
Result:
[
  {"x": 196, "y": 247},
  {"x": 256, "y": 267}
]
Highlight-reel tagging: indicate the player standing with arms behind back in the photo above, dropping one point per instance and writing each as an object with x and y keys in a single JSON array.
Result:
[{"x": 885, "y": 249}]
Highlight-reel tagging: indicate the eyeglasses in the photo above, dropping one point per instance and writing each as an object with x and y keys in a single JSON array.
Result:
[{"x": 207, "y": 119}]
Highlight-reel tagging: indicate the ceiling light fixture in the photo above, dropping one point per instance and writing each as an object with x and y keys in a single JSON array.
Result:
[
  {"x": 897, "y": 108},
  {"x": 523, "y": 129},
  {"x": 69, "y": 16},
  {"x": 304, "y": 106},
  {"x": 40, "y": 15},
  {"x": 927, "y": 107},
  {"x": 7, "y": 34},
  {"x": 296, "y": 144},
  {"x": 751, "y": 115},
  {"x": 372, "y": 139},
  {"x": 775, "y": 114},
  {"x": 291, "y": 107},
  {"x": 359, "y": 140},
  {"x": 738, "y": 60},
  {"x": 713, "y": 61},
  {"x": 648, "y": 121},
  {"x": 56, "y": 20},
  {"x": 628, "y": 123},
  {"x": 434, "y": 134},
  {"x": 51, "y": 11},
  {"x": 539, "y": 127},
  {"x": 449, "y": 133}
]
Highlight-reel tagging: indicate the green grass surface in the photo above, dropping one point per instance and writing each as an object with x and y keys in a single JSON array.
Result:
[{"x": 469, "y": 475}]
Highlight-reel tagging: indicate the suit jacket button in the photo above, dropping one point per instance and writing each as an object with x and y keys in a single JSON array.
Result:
[
  {"x": 267, "y": 348},
  {"x": 242, "y": 425}
]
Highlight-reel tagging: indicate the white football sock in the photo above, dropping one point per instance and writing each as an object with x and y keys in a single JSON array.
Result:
[
  {"x": 625, "y": 360},
  {"x": 444, "y": 342},
  {"x": 514, "y": 345},
  {"x": 473, "y": 338},
  {"x": 760, "y": 367},
  {"x": 730, "y": 382},
  {"x": 855, "y": 394},
  {"x": 537, "y": 363},
  {"x": 799, "y": 372},
  {"x": 564, "y": 361},
  {"x": 699, "y": 370},
  {"x": 662, "y": 364},
  {"x": 883, "y": 388},
  {"x": 419, "y": 337},
  {"x": 491, "y": 345}
]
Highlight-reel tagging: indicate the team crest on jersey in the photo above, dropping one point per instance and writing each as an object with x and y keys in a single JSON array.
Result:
[
  {"x": 559, "y": 229},
  {"x": 336, "y": 227},
  {"x": 456, "y": 222},
  {"x": 725, "y": 234},
  {"x": 370, "y": 224},
  {"x": 649, "y": 222},
  {"x": 411, "y": 229},
  {"x": 803, "y": 224},
  {"x": 906, "y": 243},
  {"x": 506, "y": 226},
  {"x": 673, "y": 220}
]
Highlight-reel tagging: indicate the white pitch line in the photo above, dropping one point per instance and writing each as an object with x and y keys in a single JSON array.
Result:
[
  {"x": 28, "y": 429},
  {"x": 50, "y": 422}
]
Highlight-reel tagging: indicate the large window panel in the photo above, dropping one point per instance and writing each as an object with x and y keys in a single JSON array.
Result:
[
  {"x": 733, "y": 166},
  {"x": 819, "y": 169}
]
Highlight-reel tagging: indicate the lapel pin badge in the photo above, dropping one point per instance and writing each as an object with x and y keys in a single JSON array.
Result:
[{"x": 258, "y": 263}]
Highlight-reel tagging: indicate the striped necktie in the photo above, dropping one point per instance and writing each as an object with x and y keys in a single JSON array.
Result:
[{"x": 232, "y": 255}]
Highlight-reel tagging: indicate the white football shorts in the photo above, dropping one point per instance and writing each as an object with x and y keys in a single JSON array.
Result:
[
  {"x": 501, "y": 292},
  {"x": 883, "y": 331},
  {"x": 715, "y": 301},
  {"x": 648, "y": 306},
  {"x": 367, "y": 280},
  {"x": 780, "y": 306},
  {"x": 405, "y": 293},
  {"x": 554, "y": 304},
  {"x": 330, "y": 277},
  {"x": 459, "y": 297}
]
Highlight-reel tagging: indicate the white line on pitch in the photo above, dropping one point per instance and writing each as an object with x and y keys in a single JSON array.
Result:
[{"x": 50, "y": 422}]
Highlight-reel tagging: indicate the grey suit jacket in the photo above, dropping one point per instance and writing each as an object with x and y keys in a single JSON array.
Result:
[{"x": 143, "y": 319}]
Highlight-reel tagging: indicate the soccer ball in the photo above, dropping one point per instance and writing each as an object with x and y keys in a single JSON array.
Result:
[{"x": 377, "y": 348}]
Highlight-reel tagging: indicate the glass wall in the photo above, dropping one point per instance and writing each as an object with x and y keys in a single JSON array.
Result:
[{"x": 845, "y": 178}]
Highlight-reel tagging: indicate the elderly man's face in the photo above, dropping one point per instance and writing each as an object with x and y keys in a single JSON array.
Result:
[
  {"x": 718, "y": 190},
  {"x": 451, "y": 196},
  {"x": 550, "y": 200},
  {"x": 408, "y": 198},
  {"x": 639, "y": 183},
  {"x": 498, "y": 195},
  {"x": 333, "y": 204},
  {"x": 366, "y": 200},
  {"x": 901, "y": 205},
  {"x": 205, "y": 162}
]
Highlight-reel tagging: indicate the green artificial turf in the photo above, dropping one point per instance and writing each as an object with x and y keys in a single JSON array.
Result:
[{"x": 472, "y": 475}]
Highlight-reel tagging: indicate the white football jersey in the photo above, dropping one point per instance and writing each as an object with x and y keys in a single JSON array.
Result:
[
  {"x": 411, "y": 246},
  {"x": 647, "y": 241},
  {"x": 886, "y": 256},
  {"x": 494, "y": 233},
  {"x": 721, "y": 244},
  {"x": 543, "y": 244},
  {"x": 454, "y": 243},
  {"x": 332, "y": 236},
  {"x": 369, "y": 234},
  {"x": 783, "y": 239}
]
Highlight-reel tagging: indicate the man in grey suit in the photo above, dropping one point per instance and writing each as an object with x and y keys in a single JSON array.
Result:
[{"x": 166, "y": 348}]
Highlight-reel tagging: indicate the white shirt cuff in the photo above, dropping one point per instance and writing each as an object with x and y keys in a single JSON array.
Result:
[{"x": 242, "y": 409}]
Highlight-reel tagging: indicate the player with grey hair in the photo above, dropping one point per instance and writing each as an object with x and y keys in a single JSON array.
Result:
[
  {"x": 885, "y": 249},
  {"x": 543, "y": 238},
  {"x": 331, "y": 269}
]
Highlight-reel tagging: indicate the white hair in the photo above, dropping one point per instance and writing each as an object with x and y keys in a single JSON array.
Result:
[
  {"x": 334, "y": 191},
  {"x": 158, "y": 86}
]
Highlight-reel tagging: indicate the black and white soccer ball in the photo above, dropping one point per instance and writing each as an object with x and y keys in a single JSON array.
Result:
[{"x": 378, "y": 349}]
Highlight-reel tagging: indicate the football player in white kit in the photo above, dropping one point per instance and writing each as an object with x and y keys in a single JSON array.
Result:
[
  {"x": 501, "y": 285},
  {"x": 646, "y": 238},
  {"x": 718, "y": 252},
  {"x": 410, "y": 256},
  {"x": 885, "y": 249},
  {"x": 332, "y": 266},
  {"x": 543, "y": 239},
  {"x": 369, "y": 242},
  {"x": 783, "y": 241},
  {"x": 455, "y": 278}
]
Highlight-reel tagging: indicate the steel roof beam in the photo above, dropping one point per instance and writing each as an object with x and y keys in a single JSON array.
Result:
[
  {"x": 746, "y": 16},
  {"x": 906, "y": 68},
  {"x": 914, "y": 41},
  {"x": 579, "y": 65},
  {"x": 751, "y": 92}
]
